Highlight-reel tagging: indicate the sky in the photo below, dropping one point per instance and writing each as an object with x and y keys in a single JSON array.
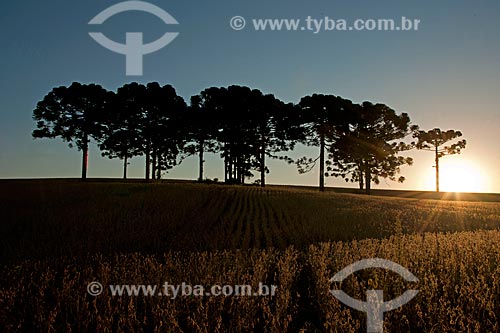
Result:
[{"x": 446, "y": 74}]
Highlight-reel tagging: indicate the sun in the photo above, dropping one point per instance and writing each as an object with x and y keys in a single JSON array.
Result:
[{"x": 456, "y": 175}]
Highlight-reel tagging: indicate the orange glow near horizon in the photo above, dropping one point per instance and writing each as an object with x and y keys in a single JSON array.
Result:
[{"x": 457, "y": 175}]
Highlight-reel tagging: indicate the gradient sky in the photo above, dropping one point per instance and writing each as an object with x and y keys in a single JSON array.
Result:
[{"x": 445, "y": 75}]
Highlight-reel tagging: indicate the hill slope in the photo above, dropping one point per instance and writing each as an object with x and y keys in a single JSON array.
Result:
[{"x": 43, "y": 218}]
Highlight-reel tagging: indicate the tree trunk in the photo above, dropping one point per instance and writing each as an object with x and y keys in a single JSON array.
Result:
[
  {"x": 158, "y": 166},
  {"x": 125, "y": 163},
  {"x": 360, "y": 174},
  {"x": 368, "y": 179},
  {"x": 228, "y": 162},
  {"x": 263, "y": 166},
  {"x": 201, "y": 161},
  {"x": 235, "y": 165},
  {"x": 85, "y": 157},
  {"x": 237, "y": 170},
  {"x": 154, "y": 164},
  {"x": 322, "y": 163},
  {"x": 437, "y": 170},
  {"x": 237, "y": 175},
  {"x": 361, "y": 179},
  {"x": 241, "y": 171},
  {"x": 148, "y": 162},
  {"x": 225, "y": 169}
]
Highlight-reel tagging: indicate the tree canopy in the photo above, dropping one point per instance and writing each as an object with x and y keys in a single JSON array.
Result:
[
  {"x": 371, "y": 148},
  {"x": 75, "y": 114},
  {"x": 434, "y": 140},
  {"x": 322, "y": 119},
  {"x": 361, "y": 143}
]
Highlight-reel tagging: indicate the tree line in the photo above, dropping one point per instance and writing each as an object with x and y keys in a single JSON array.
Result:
[{"x": 361, "y": 143}]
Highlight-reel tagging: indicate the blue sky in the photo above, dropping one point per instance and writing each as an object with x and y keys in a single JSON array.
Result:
[{"x": 445, "y": 75}]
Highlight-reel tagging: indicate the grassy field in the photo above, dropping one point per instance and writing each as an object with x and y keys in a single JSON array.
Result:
[{"x": 59, "y": 235}]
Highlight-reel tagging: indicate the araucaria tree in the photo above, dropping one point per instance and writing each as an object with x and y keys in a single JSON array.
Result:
[
  {"x": 76, "y": 114},
  {"x": 231, "y": 109},
  {"x": 371, "y": 148},
  {"x": 238, "y": 138},
  {"x": 360, "y": 143},
  {"x": 434, "y": 140},
  {"x": 322, "y": 118},
  {"x": 161, "y": 127},
  {"x": 121, "y": 138},
  {"x": 200, "y": 128},
  {"x": 273, "y": 122},
  {"x": 124, "y": 136}
]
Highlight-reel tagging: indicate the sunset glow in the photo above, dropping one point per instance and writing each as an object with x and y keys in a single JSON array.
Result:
[{"x": 457, "y": 175}]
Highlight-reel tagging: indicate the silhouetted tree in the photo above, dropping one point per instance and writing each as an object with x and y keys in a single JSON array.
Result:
[
  {"x": 199, "y": 125},
  {"x": 239, "y": 138},
  {"x": 274, "y": 123},
  {"x": 75, "y": 113},
  {"x": 155, "y": 111},
  {"x": 370, "y": 149},
  {"x": 131, "y": 101},
  {"x": 236, "y": 139},
  {"x": 245, "y": 126},
  {"x": 322, "y": 118},
  {"x": 434, "y": 140},
  {"x": 163, "y": 133},
  {"x": 121, "y": 138},
  {"x": 249, "y": 126}
]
